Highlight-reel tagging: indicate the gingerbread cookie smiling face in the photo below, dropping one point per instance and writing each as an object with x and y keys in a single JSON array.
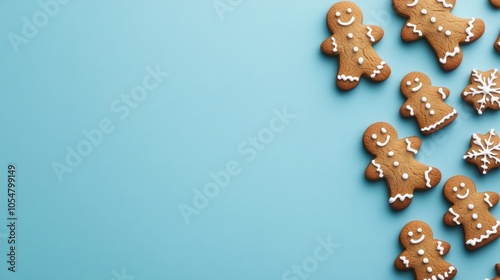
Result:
[
  {"x": 394, "y": 161},
  {"x": 471, "y": 210},
  {"x": 352, "y": 43},
  {"x": 423, "y": 254},
  {"x": 426, "y": 103},
  {"x": 432, "y": 19}
]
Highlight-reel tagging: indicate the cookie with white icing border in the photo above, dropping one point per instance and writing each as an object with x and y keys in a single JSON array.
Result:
[
  {"x": 394, "y": 161},
  {"x": 426, "y": 103},
  {"x": 352, "y": 43},
  {"x": 483, "y": 92},
  {"x": 423, "y": 254},
  {"x": 432, "y": 20},
  {"x": 484, "y": 151},
  {"x": 471, "y": 210}
]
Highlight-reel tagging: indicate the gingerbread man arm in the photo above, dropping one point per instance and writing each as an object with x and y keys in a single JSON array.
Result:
[
  {"x": 374, "y": 33},
  {"x": 443, "y": 92},
  {"x": 413, "y": 144},
  {"x": 451, "y": 218},
  {"x": 443, "y": 247},
  {"x": 374, "y": 171},
  {"x": 411, "y": 32},
  {"x": 406, "y": 110},
  {"x": 491, "y": 198},
  {"x": 330, "y": 46},
  {"x": 402, "y": 263},
  {"x": 450, "y": 4}
]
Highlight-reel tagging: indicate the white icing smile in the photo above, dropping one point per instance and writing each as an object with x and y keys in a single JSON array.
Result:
[
  {"x": 463, "y": 196},
  {"x": 418, "y": 241},
  {"x": 417, "y": 88},
  {"x": 412, "y": 4},
  {"x": 384, "y": 143},
  {"x": 346, "y": 23}
]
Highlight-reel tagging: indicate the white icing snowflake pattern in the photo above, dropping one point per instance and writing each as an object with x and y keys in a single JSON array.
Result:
[
  {"x": 484, "y": 92},
  {"x": 487, "y": 150}
]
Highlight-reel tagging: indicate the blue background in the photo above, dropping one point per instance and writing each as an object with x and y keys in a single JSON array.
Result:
[{"x": 117, "y": 213}]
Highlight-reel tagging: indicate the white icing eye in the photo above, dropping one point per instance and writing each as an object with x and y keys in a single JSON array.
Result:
[
  {"x": 408, "y": 83},
  {"x": 337, "y": 14},
  {"x": 419, "y": 230},
  {"x": 374, "y": 136},
  {"x": 349, "y": 10},
  {"x": 462, "y": 185},
  {"x": 455, "y": 189},
  {"x": 410, "y": 234},
  {"x": 417, "y": 80},
  {"x": 384, "y": 131}
]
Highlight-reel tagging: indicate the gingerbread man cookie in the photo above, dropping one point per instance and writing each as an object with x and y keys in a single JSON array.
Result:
[
  {"x": 423, "y": 254},
  {"x": 394, "y": 161},
  {"x": 471, "y": 210},
  {"x": 483, "y": 92},
  {"x": 445, "y": 32},
  {"x": 426, "y": 103},
  {"x": 352, "y": 43},
  {"x": 484, "y": 151}
]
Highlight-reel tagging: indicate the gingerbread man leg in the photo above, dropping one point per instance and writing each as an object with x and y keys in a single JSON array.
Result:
[
  {"x": 347, "y": 77},
  {"x": 449, "y": 55},
  {"x": 380, "y": 70}
]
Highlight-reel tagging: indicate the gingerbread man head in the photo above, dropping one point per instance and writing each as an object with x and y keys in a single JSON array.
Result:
[
  {"x": 414, "y": 233},
  {"x": 344, "y": 15},
  {"x": 455, "y": 193},
  {"x": 414, "y": 82},
  {"x": 378, "y": 136}
]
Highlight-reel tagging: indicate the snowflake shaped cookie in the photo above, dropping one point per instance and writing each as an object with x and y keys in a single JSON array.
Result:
[
  {"x": 483, "y": 91},
  {"x": 484, "y": 151}
]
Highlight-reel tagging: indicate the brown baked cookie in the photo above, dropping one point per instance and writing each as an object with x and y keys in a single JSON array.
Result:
[
  {"x": 497, "y": 268},
  {"x": 483, "y": 92},
  {"x": 445, "y": 32},
  {"x": 423, "y": 254},
  {"x": 495, "y": 3},
  {"x": 426, "y": 103},
  {"x": 471, "y": 210},
  {"x": 497, "y": 43},
  {"x": 352, "y": 43},
  {"x": 484, "y": 151},
  {"x": 394, "y": 161}
]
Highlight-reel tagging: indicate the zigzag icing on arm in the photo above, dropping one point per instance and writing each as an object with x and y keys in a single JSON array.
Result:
[
  {"x": 446, "y": 5},
  {"x": 408, "y": 146},
  {"x": 469, "y": 30},
  {"x": 334, "y": 44},
  {"x": 487, "y": 199},
  {"x": 456, "y": 216},
  {"x": 493, "y": 230},
  {"x": 443, "y": 95},
  {"x": 347, "y": 78},
  {"x": 449, "y": 54},
  {"x": 427, "y": 179},
  {"x": 440, "y": 248},
  {"x": 369, "y": 34},
  {"x": 379, "y": 169},
  {"x": 409, "y": 108},
  {"x": 415, "y": 30},
  {"x": 440, "y": 122},
  {"x": 405, "y": 261},
  {"x": 400, "y": 197}
]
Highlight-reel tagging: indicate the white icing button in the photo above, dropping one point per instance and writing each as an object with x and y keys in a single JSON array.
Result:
[
  {"x": 424, "y": 11},
  {"x": 462, "y": 185},
  {"x": 396, "y": 163},
  {"x": 391, "y": 153},
  {"x": 428, "y": 105},
  {"x": 433, "y": 19},
  {"x": 429, "y": 269},
  {"x": 355, "y": 49},
  {"x": 374, "y": 136},
  {"x": 360, "y": 60},
  {"x": 421, "y": 252},
  {"x": 426, "y": 260},
  {"x": 474, "y": 216},
  {"x": 440, "y": 28},
  {"x": 455, "y": 189},
  {"x": 432, "y": 112},
  {"x": 479, "y": 226},
  {"x": 448, "y": 33},
  {"x": 405, "y": 176},
  {"x": 350, "y": 35},
  {"x": 424, "y": 99},
  {"x": 337, "y": 14},
  {"x": 471, "y": 206}
]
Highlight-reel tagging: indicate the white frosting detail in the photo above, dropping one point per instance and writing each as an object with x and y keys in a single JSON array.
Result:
[
  {"x": 409, "y": 108},
  {"x": 377, "y": 71},
  {"x": 400, "y": 197},
  {"x": 440, "y": 122},
  {"x": 349, "y": 78},
  {"x": 449, "y": 54},
  {"x": 443, "y": 95},
  {"x": 440, "y": 248},
  {"x": 487, "y": 199},
  {"x": 488, "y": 88},
  {"x": 441, "y": 276},
  {"x": 418, "y": 240},
  {"x": 487, "y": 151},
  {"x": 379, "y": 169},
  {"x": 427, "y": 179},
  {"x": 417, "y": 88},
  {"x": 346, "y": 23},
  {"x": 360, "y": 60},
  {"x": 462, "y": 197},
  {"x": 474, "y": 241},
  {"x": 385, "y": 142},
  {"x": 446, "y": 5},
  {"x": 409, "y": 148},
  {"x": 469, "y": 30},
  {"x": 369, "y": 34},
  {"x": 403, "y": 258},
  {"x": 456, "y": 216},
  {"x": 415, "y": 30},
  {"x": 334, "y": 44},
  {"x": 412, "y": 4}
]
